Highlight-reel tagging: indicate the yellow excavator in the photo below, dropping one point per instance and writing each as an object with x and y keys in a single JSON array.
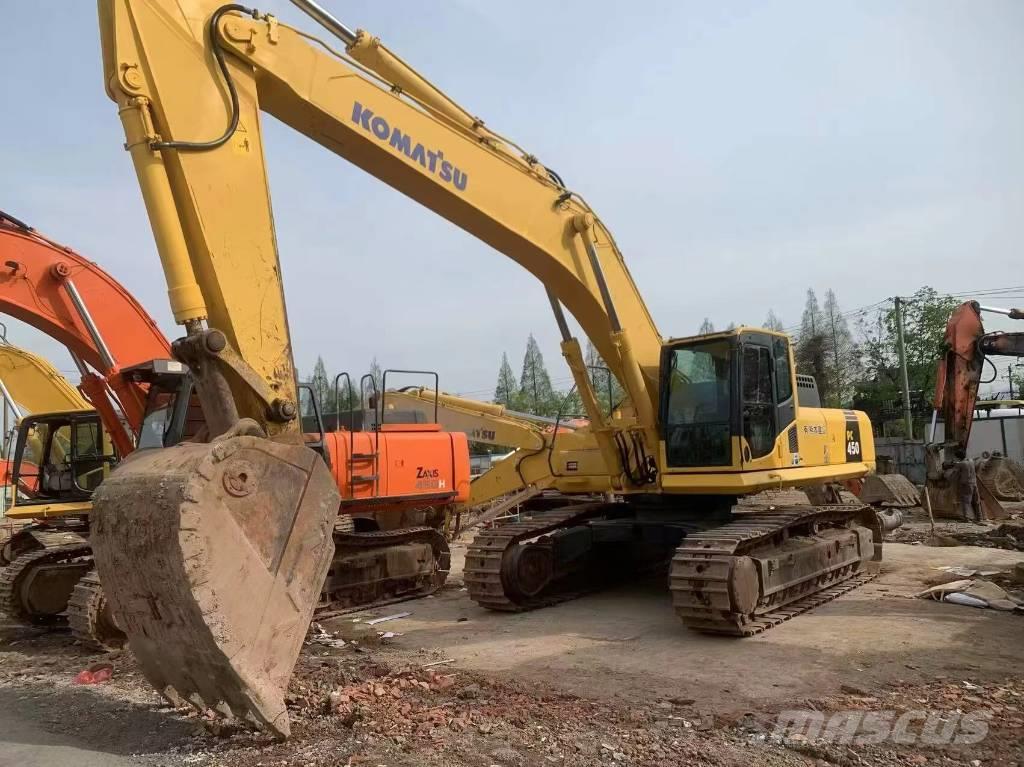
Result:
[
  {"x": 55, "y": 458},
  {"x": 213, "y": 553},
  {"x": 30, "y": 386}
]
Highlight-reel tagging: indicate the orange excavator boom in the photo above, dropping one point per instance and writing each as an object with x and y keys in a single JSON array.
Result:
[{"x": 69, "y": 298}]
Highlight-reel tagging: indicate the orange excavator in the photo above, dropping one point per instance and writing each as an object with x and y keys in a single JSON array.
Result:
[
  {"x": 967, "y": 348},
  {"x": 397, "y": 482},
  {"x": 123, "y": 359},
  {"x": 108, "y": 333}
]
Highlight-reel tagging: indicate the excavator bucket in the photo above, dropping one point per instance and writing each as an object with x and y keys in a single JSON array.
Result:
[
  {"x": 944, "y": 496},
  {"x": 893, "y": 490},
  {"x": 1003, "y": 476},
  {"x": 213, "y": 557}
]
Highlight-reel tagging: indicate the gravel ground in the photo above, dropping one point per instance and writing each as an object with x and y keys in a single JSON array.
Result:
[{"x": 354, "y": 706}]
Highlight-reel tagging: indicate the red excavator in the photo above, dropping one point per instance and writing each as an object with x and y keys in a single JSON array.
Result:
[{"x": 967, "y": 348}]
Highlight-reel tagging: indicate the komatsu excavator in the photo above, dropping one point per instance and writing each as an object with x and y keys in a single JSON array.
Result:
[
  {"x": 214, "y": 553},
  {"x": 967, "y": 348},
  {"x": 562, "y": 455}
]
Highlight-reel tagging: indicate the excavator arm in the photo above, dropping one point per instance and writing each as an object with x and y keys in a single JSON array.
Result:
[
  {"x": 545, "y": 455},
  {"x": 966, "y": 348},
  {"x": 188, "y": 79}
]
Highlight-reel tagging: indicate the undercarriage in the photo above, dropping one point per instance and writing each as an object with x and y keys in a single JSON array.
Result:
[
  {"x": 52, "y": 581},
  {"x": 739, "y": 575}
]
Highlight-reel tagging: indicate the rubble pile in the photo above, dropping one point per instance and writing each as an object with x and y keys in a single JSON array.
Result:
[
  {"x": 1008, "y": 535},
  {"x": 352, "y": 709}
]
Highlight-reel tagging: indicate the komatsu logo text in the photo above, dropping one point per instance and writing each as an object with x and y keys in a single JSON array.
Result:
[{"x": 433, "y": 162}]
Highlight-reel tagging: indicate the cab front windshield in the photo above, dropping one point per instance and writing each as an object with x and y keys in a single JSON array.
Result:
[
  {"x": 156, "y": 424},
  {"x": 698, "y": 409}
]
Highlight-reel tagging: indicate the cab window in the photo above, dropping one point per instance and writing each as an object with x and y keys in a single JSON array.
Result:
[
  {"x": 698, "y": 411},
  {"x": 758, "y": 400},
  {"x": 783, "y": 376}
]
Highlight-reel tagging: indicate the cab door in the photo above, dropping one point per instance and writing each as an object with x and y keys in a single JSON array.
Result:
[{"x": 757, "y": 400}]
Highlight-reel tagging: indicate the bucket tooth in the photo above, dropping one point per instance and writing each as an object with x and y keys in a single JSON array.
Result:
[
  {"x": 213, "y": 556},
  {"x": 169, "y": 694}
]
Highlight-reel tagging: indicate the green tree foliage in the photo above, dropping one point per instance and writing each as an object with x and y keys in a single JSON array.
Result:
[
  {"x": 706, "y": 327},
  {"x": 322, "y": 386},
  {"x": 813, "y": 352},
  {"x": 844, "y": 356},
  {"x": 607, "y": 389},
  {"x": 538, "y": 395},
  {"x": 925, "y": 316},
  {"x": 506, "y": 392}
]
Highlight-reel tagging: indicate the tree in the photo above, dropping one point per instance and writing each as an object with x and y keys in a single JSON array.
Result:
[
  {"x": 570, "y": 404},
  {"x": 813, "y": 347},
  {"x": 706, "y": 327},
  {"x": 321, "y": 385},
  {"x": 507, "y": 390},
  {"x": 377, "y": 375},
  {"x": 844, "y": 356},
  {"x": 607, "y": 389},
  {"x": 924, "y": 322},
  {"x": 772, "y": 322},
  {"x": 538, "y": 396}
]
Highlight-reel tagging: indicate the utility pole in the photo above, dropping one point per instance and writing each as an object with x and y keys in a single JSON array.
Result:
[{"x": 901, "y": 350}]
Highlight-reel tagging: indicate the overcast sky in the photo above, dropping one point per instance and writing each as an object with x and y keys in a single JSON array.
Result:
[{"x": 740, "y": 152}]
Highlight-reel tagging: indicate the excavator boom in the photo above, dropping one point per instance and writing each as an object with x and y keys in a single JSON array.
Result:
[
  {"x": 546, "y": 455},
  {"x": 33, "y": 385}
]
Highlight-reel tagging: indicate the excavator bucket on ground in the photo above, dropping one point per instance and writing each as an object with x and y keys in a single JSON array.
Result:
[
  {"x": 213, "y": 556},
  {"x": 892, "y": 490},
  {"x": 1003, "y": 476},
  {"x": 944, "y": 496}
]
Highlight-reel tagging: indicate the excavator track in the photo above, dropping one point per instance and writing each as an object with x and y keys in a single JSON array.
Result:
[
  {"x": 90, "y": 618},
  {"x": 16, "y": 576},
  {"x": 487, "y": 573},
  {"x": 718, "y": 587},
  {"x": 372, "y": 569}
]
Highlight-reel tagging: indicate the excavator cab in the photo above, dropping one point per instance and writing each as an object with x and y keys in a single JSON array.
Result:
[
  {"x": 172, "y": 413},
  {"x": 60, "y": 458},
  {"x": 726, "y": 398}
]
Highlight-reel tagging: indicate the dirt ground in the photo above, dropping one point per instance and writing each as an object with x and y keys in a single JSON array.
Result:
[{"x": 611, "y": 678}]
